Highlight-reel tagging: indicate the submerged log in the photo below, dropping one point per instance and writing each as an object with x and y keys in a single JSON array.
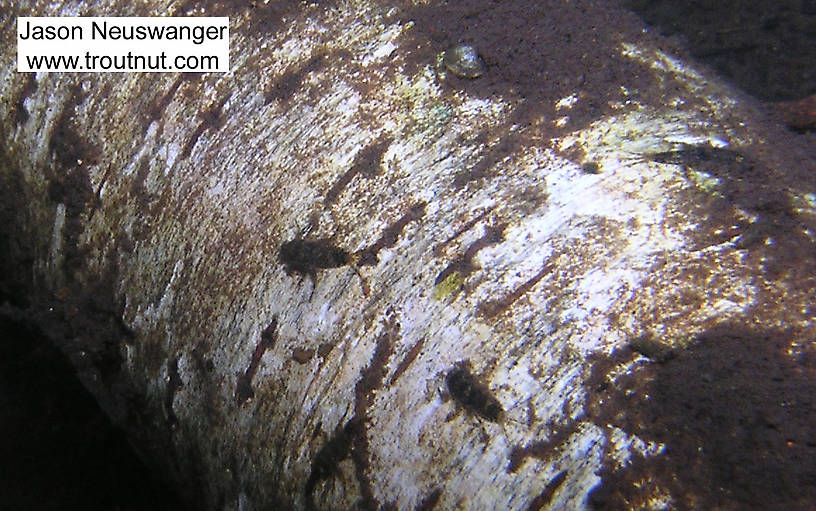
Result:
[{"x": 343, "y": 276}]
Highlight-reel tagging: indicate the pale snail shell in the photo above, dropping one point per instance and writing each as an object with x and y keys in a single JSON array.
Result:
[{"x": 464, "y": 61}]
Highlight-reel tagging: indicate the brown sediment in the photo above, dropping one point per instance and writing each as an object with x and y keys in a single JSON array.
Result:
[
  {"x": 463, "y": 264},
  {"x": 390, "y": 235},
  {"x": 266, "y": 19},
  {"x": 412, "y": 354},
  {"x": 371, "y": 379},
  {"x": 366, "y": 164},
  {"x": 767, "y": 50},
  {"x": 437, "y": 250},
  {"x": 775, "y": 234},
  {"x": 541, "y": 449},
  {"x": 535, "y": 53},
  {"x": 799, "y": 115},
  {"x": 736, "y": 404},
  {"x": 158, "y": 106},
  {"x": 324, "y": 349},
  {"x": 100, "y": 328},
  {"x": 243, "y": 388},
  {"x": 493, "y": 308},
  {"x": 211, "y": 118},
  {"x": 351, "y": 440},
  {"x": 542, "y": 500},
  {"x": 430, "y": 501},
  {"x": 336, "y": 449},
  {"x": 283, "y": 87}
]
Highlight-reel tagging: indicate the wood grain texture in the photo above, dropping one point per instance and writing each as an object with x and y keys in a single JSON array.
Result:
[{"x": 157, "y": 205}]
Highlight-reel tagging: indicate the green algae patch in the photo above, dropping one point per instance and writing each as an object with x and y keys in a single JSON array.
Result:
[{"x": 448, "y": 286}]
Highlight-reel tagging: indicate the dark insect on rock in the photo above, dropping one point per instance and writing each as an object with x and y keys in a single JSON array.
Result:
[
  {"x": 473, "y": 395},
  {"x": 696, "y": 155},
  {"x": 306, "y": 257},
  {"x": 591, "y": 167}
]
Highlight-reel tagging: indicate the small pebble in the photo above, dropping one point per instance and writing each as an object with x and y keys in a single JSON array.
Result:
[{"x": 464, "y": 61}]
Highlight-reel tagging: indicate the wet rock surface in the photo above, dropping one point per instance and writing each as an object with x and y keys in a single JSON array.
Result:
[{"x": 745, "y": 440}]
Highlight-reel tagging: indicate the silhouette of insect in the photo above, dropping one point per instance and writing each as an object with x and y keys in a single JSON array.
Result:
[
  {"x": 307, "y": 257},
  {"x": 473, "y": 395},
  {"x": 696, "y": 155}
]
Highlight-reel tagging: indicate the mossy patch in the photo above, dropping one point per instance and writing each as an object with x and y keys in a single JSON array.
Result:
[{"x": 448, "y": 286}]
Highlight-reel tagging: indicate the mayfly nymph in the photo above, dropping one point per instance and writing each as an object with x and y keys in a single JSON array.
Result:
[
  {"x": 473, "y": 395},
  {"x": 306, "y": 257}
]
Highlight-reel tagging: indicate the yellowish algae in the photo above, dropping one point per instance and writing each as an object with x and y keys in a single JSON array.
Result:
[{"x": 451, "y": 284}]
